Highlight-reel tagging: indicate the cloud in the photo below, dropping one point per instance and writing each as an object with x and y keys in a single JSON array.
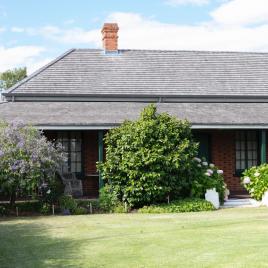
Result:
[
  {"x": 17, "y": 29},
  {"x": 241, "y": 12},
  {"x": 69, "y": 22},
  {"x": 143, "y": 33},
  {"x": 2, "y": 29},
  {"x": 187, "y": 2},
  {"x": 139, "y": 32},
  {"x": 73, "y": 35},
  {"x": 20, "y": 56},
  {"x": 3, "y": 12}
]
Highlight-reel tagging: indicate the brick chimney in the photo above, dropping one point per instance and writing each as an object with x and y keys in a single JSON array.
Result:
[{"x": 109, "y": 36}]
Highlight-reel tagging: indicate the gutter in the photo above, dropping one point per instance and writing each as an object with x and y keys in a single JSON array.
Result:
[{"x": 194, "y": 126}]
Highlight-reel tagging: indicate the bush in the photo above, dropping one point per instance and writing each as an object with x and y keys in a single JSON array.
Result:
[
  {"x": 27, "y": 159},
  {"x": 108, "y": 199},
  {"x": 86, "y": 204},
  {"x": 206, "y": 176},
  {"x": 24, "y": 207},
  {"x": 68, "y": 203},
  {"x": 52, "y": 190},
  {"x": 29, "y": 206},
  {"x": 149, "y": 159},
  {"x": 45, "y": 209},
  {"x": 255, "y": 180},
  {"x": 185, "y": 205},
  {"x": 3, "y": 211},
  {"x": 80, "y": 211}
]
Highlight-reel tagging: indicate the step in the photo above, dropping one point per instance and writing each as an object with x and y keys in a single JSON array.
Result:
[{"x": 235, "y": 202}]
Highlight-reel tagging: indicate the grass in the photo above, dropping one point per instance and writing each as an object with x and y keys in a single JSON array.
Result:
[{"x": 225, "y": 238}]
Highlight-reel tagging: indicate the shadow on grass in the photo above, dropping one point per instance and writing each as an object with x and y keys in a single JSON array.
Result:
[{"x": 27, "y": 244}]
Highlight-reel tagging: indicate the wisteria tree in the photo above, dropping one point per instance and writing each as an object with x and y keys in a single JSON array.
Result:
[{"x": 27, "y": 159}]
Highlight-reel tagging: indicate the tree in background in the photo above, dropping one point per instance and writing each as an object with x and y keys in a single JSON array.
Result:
[
  {"x": 10, "y": 77},
  {"x": 149, "y": 159},
  {"x": 27, "y": 159}
]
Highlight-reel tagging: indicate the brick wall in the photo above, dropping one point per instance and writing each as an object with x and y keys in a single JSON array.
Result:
[
  {"x": 91, "y": 181},
  {"x": 223, "y": 156}
]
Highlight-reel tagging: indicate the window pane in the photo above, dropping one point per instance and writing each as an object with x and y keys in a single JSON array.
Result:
[
  {"x": 242, "y": 164},
  {"x": 78, "y": 167},
  {"x": 71, "y": 142},
  {"x": 73, "y": 169},
  {"x": 238, "y": 166},
  {"x": 254, "y": 155},
  {"x": 73, "y": 157},
  {"x": 246, "y": 147}
]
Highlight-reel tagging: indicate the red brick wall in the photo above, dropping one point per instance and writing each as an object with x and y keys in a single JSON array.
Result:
[
  {"x": 91, "y": 181},
  {"x": 223, "y": 156}
]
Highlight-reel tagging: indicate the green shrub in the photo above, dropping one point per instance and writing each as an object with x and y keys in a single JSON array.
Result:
[
  {"x": 68, "y": 203},
  {"x": 3, "y": 211},
  {"x": 184, "y": 205},
  {"x": 108, "y": 199},
  {"x": 255, "y": 180},
  {"x": 29, "y": 206},
  {"x": 45, "y": 209},
  {"x": 149, "y": 159},
  {"x": 120, "y": 208},
  {"x": 86, "y": 204},
  {"x": 80, "y": 211},
  {"x": 52, "y": 191},
  {"x": 206, "y": 176}
]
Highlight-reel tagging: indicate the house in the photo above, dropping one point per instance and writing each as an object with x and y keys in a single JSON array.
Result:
[{"x": 82, "y": 94}]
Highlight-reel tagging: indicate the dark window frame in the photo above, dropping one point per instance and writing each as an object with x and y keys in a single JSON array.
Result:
[{"x": 238, "y": 171}]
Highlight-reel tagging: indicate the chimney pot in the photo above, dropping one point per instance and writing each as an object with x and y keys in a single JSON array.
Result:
[{"x": 109, "y": 36}]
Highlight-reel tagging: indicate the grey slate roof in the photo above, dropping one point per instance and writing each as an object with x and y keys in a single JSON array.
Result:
[
  {"x": 151, "y": 72},
  {"x": 107, "y": 114}
]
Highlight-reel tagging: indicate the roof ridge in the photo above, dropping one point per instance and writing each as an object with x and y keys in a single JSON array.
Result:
[
  {"x": 181, "y": 50},
  {"x": 37, "y": 72}
]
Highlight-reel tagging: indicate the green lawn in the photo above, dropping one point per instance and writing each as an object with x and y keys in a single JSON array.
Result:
[{"x": 225, "y": 238}]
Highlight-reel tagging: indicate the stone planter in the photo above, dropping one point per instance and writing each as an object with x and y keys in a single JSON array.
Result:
[
  {"x": 264, "y": 201},
  {"x": 213, "y": 196}
]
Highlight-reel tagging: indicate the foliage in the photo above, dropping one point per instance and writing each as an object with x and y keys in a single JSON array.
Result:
[
  {"x": 149, "y": 159},
  {"x": 68, "y": 203},
  {"x": 27, "y": 159},
  {"x": 80, "y": 211},
  {"x": 45, "y": 208},
  {"x": 28, "y": 207},
  {"x": 108, "y": 199},
  {"x": 255, "y": 180},
  {"x": 10, "y": 77},
  {"x": 52, "y": 190},
  {"x": 186, "y": 205},
  {"x": 206, "y": 176},
  {"x": 86, "y": 204},
  {"x": 120, "y": 208},
  {"x": 3, "y": 211}
]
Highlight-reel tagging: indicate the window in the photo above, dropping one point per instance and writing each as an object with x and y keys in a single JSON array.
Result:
[
  {"x": 204, "y": 149},
  {"x": 246, "y": 150},
  {"x": 72, "y": 146}
]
